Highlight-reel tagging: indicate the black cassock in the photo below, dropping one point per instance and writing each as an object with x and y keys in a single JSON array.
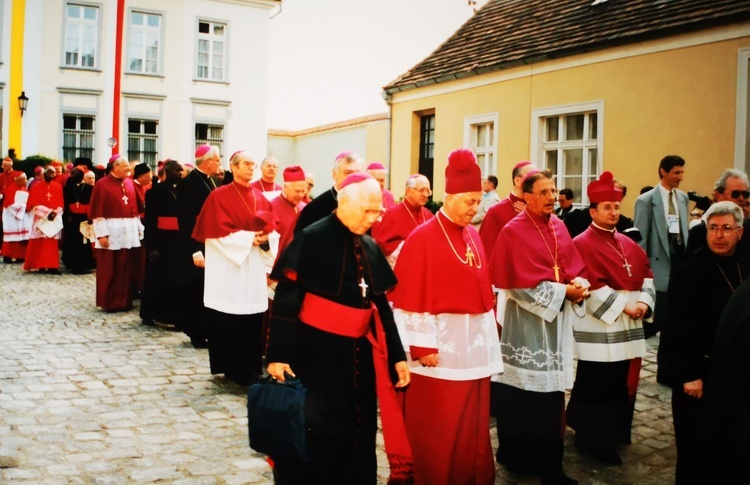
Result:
[
  {"x": 329, "y": 261},
  {"x": 77, "y": 254},
  {"x": 160, "y": 299},
  {"x": 320, "y": 207}
]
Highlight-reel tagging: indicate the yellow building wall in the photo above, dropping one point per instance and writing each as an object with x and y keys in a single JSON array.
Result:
[
  {"x": 681, "y": 101},
  {"x": 377, "y": 142}
]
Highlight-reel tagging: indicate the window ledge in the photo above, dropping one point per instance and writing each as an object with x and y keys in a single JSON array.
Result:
[
  {"x": 87, "y": 69},
  {"x": 144, "y": 74},
  {"x": 211, "y": 81}
]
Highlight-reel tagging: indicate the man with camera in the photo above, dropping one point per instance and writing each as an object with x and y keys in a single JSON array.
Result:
[{"x": 732, "y": 185}]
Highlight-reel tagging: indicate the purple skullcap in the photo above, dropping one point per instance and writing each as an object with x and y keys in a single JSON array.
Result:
[
  {"x": 39, "y": 170},
  {"x": 202, "y": 150},
  {"x": 113, "y": 158},
  {"x": 235, "y": 153},
  {"x": 521, "y": 164},
  {"x": 529, "y": 174},
  {"x": 355, "y": 178},
  {"x": 343, "y": 155},
  {"x": 188, "y": 165},
  {"x": 376, "y": 166}
]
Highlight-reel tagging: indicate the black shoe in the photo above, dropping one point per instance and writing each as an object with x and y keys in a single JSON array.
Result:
[
  {"x": 54, "y": 271},
  {"x": 558, "y": 479},
  {"x": 147, "y": 321},
  {"x": 7, "y": 260},
  {"x": 199, "y": 343},
  {"x": 605, "y": 454}
]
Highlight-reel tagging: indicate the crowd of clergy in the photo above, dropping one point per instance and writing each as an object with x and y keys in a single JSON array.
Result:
[{"x": 439, "y": 319}]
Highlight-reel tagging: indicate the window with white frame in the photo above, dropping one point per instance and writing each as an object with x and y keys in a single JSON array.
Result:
[
  {"x": 211, "y": 48},
  {"x": 143, "y": 137},
  {"x": 570, "y": 148},
  {"x": 480, "y": 135},
  {"x": 144, "y": 42},
  {"x": 78, "y": 137},
  {"x": 81, "y": 35},
  {"x": 207, "y": 134}
]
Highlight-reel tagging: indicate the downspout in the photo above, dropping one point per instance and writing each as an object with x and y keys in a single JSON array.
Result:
[
  {"x": 389, "y": 135},
  {"x": 118, "y": 73}
]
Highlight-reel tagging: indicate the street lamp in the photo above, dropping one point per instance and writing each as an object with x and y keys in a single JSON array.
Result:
[{"x": 23, "y": 102}]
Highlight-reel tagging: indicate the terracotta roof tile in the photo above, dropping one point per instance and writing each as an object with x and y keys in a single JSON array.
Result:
[{"x": 508, "y": 33}]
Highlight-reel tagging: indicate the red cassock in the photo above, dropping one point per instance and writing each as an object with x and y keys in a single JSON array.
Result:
[
  {"x": 13, "y": 249},
  {"x": 397, "y": 224},
  {"x": 389, "y": 202},
  {"x": 43, "y": 252},
  {"x": 287, "y": 214},
  {"x": 496, "y": 218},
  {"x": 432, "y": 280},
  {"x": 113, "y": 198}
]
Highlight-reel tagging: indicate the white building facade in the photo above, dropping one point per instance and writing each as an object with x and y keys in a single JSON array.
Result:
[{"x": 189, "y": 73}]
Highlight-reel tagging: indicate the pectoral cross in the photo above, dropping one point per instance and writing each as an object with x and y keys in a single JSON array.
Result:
[
  {"x": 469, "y": 256},
  {"x": 627, "y": 267},
  {"x": 557, "y": 272},
  {"x": 125, "y": 199},
  {"x": 364, "y": 287},
  {"x": 49, "y": 196}
]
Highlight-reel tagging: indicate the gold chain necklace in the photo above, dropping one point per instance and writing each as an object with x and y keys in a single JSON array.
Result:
[
  {"x": 739, "y": 272},
  {"x": 469, "y": 254},
  {"x": 414, "y": 218},
  {"x": 555, "y": 266},
  {"x": 620, "y": 253},
  {"x": 255, "y": 200}
]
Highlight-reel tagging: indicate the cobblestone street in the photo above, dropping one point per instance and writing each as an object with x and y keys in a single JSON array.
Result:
[{"x": 88, "y": 397}]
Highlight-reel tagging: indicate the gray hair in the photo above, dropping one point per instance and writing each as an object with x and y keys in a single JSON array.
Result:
[
  {"x": 354, "y": 191},
  {"x": 411, "y": 182},
  {"x": 268, "y": 160},
  {"x": 721, "y": 184},
  {"x": 724, "y": 208},
  {"x": 235, "y": 157},
  {"x": 213, "y": 152}
]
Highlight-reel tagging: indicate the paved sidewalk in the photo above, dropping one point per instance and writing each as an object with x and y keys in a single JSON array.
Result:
[{"x": 93, "y": 398}]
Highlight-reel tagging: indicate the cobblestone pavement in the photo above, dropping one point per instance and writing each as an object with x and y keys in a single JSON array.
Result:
[{"x": 88, "y": 397}]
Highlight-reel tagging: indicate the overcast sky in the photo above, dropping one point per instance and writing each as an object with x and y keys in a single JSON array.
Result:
[{"x": 329, "y": 59}]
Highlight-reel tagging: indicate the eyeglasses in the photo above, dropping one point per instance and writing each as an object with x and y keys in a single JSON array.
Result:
[
  {"x": 725, "y": 230},
  {"x": 424, "y": 191},
  {"x": 546, "y": 192},
  {"x": 735, "y": 194}
]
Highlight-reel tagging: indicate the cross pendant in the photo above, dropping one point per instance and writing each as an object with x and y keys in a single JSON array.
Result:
[
  {"x": 364, "y": 287},
  {"x": 49, "y": 196},
  {"x": 125, "y": 199},
  {"x": 627, "y": 267},
  {"x": 469, "y": 256},
  {"x": 557, "y": 272}
]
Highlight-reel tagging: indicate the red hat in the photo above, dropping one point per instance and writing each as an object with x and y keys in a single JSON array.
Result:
[
  {"x": 294, "y": 174},
  {"x": 604, "y": 189},
  {"x": 462, "y": 173},
  {"x": 355, "y": 178},
  {"x": 376, "y": 166},
  {"x": 100, "y": 167},
  {"x": 202, "y": 150}
]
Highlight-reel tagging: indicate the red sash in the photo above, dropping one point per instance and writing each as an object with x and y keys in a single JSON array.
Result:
[
  {"x": 338, "y": 319},
  {"x": 79, "y": 208},
  {"x": 167, "y": 223}
]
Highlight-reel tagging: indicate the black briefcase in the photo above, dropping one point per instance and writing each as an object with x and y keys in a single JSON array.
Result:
[{"x": 276, "y": 419}]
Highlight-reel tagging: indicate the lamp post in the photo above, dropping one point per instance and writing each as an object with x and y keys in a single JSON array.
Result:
[{"x": 23, "y": 102}]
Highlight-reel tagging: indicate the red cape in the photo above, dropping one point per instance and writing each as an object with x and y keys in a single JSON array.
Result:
[
  {"x": 522, "y": 260},
  {"x": 232, "y": 208},
  {"x": 496, "y": 218},
  {"x": 604, "y": 266},
  {"x": 432, "y": 280},
  {"x": 287, "y": 215},
  {"x": 107, "y": 199},
  {"x": 38, "y": 195},
  {"x": 397, "y": 224}
]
